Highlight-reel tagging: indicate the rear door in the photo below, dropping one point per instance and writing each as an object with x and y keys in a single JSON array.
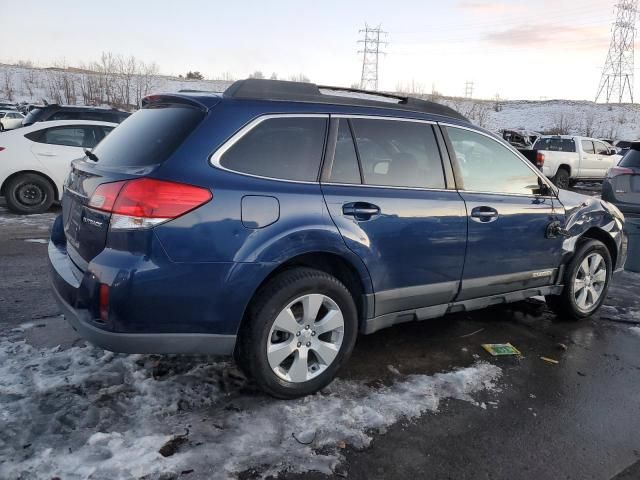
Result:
[
  {"x": 57, "y": 147},
  {"x": 622, "y": 186},
  {"x": 507, "y": 249},
  {"x": 590, "y": 164},
  {"x": 388, "y": 196}
]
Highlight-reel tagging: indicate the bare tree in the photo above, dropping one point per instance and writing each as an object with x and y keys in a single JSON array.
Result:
[
  {"x": 8, "y": 85},
  {"x": 300, "y": 77},
  {"x": 589, "y": 124},
  {"x": 561, "y": 125}
]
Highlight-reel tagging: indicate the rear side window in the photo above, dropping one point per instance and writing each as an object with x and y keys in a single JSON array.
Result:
[
  {"x": 631, "y": 159},
  {"x": 148, "y": 137},
  {"x": 587, "y": 146},
  {"x": 71, "y": 136},
  {"x": 398, "y": 153},
  {"x": 284, "y": 148}
]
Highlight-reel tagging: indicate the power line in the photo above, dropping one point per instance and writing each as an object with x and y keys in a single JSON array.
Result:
[
  {"x": 617, "y": 75},
  {"x": 370, "y": 56}
]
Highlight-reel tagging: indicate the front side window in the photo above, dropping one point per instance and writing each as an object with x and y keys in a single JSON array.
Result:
[
  {"x": 286, "y": 148},
  {"x": 485, "y": 165},
  {"x": 398, "y": 153},
  {"x": 601, "y": 148},
  {"x": 587, "y": 146}
]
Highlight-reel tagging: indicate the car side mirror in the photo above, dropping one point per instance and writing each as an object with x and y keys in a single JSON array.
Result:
[{"x": 544, "y": 190}]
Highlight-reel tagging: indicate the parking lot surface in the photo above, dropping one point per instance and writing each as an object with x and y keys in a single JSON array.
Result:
[{"x": 419, "y": 400}]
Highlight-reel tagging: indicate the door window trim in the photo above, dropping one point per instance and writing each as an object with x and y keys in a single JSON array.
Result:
[
  {"x": 216, "y": 157},
  {"x": 349, "y": 117},
  {"x": 517, "y": 154}
]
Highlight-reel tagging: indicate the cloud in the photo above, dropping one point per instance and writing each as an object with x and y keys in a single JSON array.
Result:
[
  {"x": 489, "y": 8},
  {"x": 559, "y": 36}
]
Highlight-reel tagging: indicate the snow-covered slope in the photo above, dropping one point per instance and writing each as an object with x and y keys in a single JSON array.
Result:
[{"x": 559, "y": 116}]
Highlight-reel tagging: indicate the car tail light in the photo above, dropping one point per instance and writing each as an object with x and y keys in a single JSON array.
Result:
[
  {"x": 146, "y": 202},
  {"x": 617, "y": 171},
  {"x": 2, "y": 148},
  {"x": 540, "y": 159},
  {"x": 104, "y": 302}
]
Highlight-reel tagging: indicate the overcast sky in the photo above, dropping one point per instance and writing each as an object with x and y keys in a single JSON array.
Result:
[{"x": 520, "y": 49}]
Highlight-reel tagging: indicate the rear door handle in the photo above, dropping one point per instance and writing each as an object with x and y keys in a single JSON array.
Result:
[
  {"x": 484, "y": 214},
  {"x": 47, "y": 154},
  {"x": 360, "y": 210}
]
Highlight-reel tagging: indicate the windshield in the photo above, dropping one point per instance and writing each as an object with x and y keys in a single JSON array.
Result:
[{"x": 32, "y": 116}]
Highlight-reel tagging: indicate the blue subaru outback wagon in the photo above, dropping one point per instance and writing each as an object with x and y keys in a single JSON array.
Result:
[{"x": 279, "y": 220}]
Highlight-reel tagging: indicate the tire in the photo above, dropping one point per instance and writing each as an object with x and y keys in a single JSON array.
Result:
[
  {"x": 1, "y": 127},
  {"x": 568, "y": 304},
  {"x": 29, "y": 193},
  {"x": 562, "y": 179},
  {"x": 276, "y": 322}
]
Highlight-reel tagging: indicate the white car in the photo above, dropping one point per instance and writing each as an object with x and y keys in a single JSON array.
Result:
[
  {"x": 35, "y": 160},
  {"x": 10, "y": 119},
  {"x": 566, "y": 159}
]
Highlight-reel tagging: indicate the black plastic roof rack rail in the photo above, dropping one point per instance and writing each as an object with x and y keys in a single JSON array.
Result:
[{"x": 280, "y": 90}]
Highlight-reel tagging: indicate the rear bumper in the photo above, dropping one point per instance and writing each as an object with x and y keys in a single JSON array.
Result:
[
  {"x": 155, "y": 305},
  {"x": 161, "y": 343}
]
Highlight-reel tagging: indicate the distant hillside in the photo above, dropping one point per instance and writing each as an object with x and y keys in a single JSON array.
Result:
[{"x": 78, "y": 86}]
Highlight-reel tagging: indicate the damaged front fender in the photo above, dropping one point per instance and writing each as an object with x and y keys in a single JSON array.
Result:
[{"x": 590, "y": 217}]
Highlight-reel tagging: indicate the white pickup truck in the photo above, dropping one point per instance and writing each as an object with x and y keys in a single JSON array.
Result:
[{"x": 567, "y": 159}]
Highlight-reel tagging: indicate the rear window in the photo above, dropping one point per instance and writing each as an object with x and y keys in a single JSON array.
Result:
[
  {"x": 631, "y": 159},
  {"x": 148, "y": 137},
  {"x": 284, "y": 148},
  {"x": 33, "y": 115},
  {"x": 555, "y": 145}
]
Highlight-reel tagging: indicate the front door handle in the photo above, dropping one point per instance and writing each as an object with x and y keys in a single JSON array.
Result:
[
  {"x": 360, "y": 210},
  {"x": 484, "y": 214}
]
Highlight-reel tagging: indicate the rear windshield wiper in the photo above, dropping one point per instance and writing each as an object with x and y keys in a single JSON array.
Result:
[{"x": 91, "y": 155}]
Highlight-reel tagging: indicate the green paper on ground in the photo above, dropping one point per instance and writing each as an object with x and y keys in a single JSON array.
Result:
[{"x": 500, "y": 349}]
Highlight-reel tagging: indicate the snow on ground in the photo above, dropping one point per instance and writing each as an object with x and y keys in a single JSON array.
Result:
[
  {"x": 42, "y": 221},
  {"x": 84, "y": 412}
]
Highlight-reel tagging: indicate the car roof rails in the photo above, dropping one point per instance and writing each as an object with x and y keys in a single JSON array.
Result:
[{"x": 280, "y": 90}]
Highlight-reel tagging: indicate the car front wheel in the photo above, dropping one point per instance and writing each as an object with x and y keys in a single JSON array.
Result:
[
  {"x": 586, "y": 282},
  {"x": 301, "y": 328}
]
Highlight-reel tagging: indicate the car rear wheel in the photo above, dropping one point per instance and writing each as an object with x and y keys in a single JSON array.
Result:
[
  {"x": 29, "y": 193},
  {"x": 562, "y": 179},
  {"x": 301, "y": 328},
  {"x": 586, "y": 282}
]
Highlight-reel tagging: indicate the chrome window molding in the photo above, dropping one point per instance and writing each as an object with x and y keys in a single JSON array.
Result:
[
  {"x": 215, "y": 157},
  {"x": 355, "y": 116},
  {"x": 422, "y": 189},
  {"x": 517, "y": 154}
]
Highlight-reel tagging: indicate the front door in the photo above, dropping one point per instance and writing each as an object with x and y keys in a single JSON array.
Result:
[
  {"x": 388, "y": 197},
  {"x": 590, "y": 164},
  {"x": 508, "y": 246}
]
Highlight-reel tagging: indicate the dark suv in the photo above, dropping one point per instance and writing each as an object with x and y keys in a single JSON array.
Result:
[
  {"x": 279, "y": 220},
  {"x": 42, "y": 113}
]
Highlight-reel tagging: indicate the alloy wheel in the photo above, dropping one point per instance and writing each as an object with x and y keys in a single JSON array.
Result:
[
  {"x": 305, "y": 338},
  {"x": 590, "y": 281}
]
